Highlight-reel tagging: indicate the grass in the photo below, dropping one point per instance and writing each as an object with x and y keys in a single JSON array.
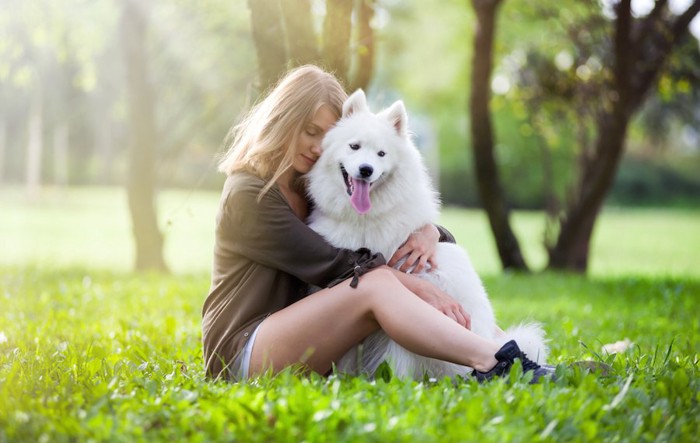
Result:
[
  {"x": 90, "y": 227},
  {"x": 94, "y": 355},
  {"x": 650, "y": 242},
  {"x": 92, "y": 352}
]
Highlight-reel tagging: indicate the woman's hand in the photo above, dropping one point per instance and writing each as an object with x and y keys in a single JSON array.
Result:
[
  {"x": 438, "y": 299},
  {"x": 419, "y": 249}
]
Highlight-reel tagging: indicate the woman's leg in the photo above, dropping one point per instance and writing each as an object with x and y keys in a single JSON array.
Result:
[{"x": 322, "y": 327}]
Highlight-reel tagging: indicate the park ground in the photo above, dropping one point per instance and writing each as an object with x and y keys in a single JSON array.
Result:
[{"x": 91, "y": 351}]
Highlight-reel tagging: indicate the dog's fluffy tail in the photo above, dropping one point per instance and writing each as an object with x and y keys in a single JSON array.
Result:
[{"x": 530, "y": 338}]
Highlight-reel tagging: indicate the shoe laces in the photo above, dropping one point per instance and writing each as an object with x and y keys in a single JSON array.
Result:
[{"x": 528, "y": 365}]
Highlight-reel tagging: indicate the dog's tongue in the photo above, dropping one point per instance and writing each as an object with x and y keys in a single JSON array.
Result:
[{"x": 360, "y": 196}]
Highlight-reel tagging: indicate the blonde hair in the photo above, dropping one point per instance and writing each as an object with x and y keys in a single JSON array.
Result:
[{"x": 264, "y": 141}]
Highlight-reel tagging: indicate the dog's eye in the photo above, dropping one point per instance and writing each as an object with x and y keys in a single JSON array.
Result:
[
  {"x": 354, "y": 146},
  {"x": 381, "y": 153}
]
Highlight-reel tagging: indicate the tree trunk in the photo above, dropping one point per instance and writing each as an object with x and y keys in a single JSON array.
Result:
[
  {"x": 364, "y": 55},
  {"x": 142, "y": 174},
  {"x": 284, "y": 37},
  {"x": 571, "y": 250},
  {"x": 3, "y": 147},
  {"x": 488, "y": 180},
  {"x": 104, "y": 149},
  {"x": 299, "y": 27},
  {"x": 270, "y": 41},
  {"x": 336, "y": 37},
  {"x": 35, "y": 144},
  {"x": 60, "y": 154}
]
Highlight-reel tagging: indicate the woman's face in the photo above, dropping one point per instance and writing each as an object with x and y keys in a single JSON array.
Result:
[{"x": 308, "y": 148}]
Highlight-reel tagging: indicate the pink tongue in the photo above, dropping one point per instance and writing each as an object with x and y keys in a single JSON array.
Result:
[{"x": 360, "y": 196}]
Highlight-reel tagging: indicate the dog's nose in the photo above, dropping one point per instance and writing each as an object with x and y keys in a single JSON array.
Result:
[{"x": 366, "y": 170}]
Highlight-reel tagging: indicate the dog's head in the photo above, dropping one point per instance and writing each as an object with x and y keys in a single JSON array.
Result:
[{"x": 364, "y": 148}]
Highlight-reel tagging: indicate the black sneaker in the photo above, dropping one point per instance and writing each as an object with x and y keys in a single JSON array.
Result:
[{"x": 506, "y": 356}]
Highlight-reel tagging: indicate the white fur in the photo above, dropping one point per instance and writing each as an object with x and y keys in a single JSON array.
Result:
[{"x": 403, "y": 200}]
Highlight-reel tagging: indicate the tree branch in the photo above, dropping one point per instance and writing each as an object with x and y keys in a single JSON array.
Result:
[
  {"x": 681, "y": 24},
  {"x": 659, "y": 7},
  {"x": 647, "y": 23},
  {"x": 623, "y": 55},
  {"x": 662, "y": 38}
]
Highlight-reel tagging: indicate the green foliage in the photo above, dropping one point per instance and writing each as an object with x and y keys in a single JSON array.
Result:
[
  {"x": 35, "y": 35},
  {"x": 68, "y": 55},
  {"x": 202, "y": 62},
  {"x": 554, "y": 58},
  {"x": 88, "y": 355},
  {"x": 651, "y": 181},
  {"x": 678, "y": 97}
]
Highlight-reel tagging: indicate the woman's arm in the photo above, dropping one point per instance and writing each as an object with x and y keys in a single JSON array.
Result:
[{"x": 269, "y": 233}]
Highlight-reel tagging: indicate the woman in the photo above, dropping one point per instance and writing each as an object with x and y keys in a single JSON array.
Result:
[{"x": 258, "y": 315}]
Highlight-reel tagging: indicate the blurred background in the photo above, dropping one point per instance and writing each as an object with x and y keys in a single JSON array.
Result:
[{"x": 112, "y": 112}]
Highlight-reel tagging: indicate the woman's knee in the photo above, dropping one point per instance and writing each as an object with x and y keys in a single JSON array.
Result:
[{"x": 378, "y": 281}]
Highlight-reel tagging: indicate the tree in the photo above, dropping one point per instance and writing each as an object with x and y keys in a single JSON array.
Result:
[
  {"x": 43, "y": 64},
  {"x": 488, "y": 181},
  {"x": 639, "y": 51},
  {"x": 630, "y": 58},
  {"x": 62, "y": 86},
  {"x": 141, "y": 102},
  {"x": 284, "y": 37}
]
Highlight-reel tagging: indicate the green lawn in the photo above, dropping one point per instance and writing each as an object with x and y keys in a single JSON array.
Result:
[
  {"x": 90, "y": 351},
  {"x": 90, "y": 227}
]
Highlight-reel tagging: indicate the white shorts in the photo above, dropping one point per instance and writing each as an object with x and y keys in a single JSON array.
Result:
[{"x": 244, "y": 363}]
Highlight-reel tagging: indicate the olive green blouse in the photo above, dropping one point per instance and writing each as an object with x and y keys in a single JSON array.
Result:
[{"x": 265, "y": 258}]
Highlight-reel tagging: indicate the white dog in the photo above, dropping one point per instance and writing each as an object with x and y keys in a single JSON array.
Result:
[{"x": 371, "y": 189}]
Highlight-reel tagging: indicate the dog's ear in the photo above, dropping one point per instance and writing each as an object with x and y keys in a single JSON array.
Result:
[
  {"x": 357, "y": 102},
  {"x": 396, "y": 114}
]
